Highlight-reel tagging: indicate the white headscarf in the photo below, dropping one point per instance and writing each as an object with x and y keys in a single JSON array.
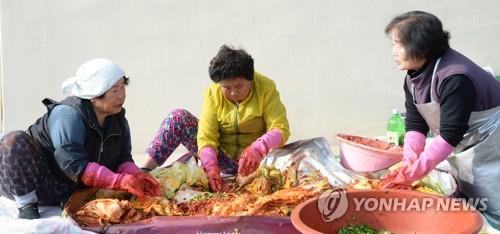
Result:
[{"x": 93, "y": 78}]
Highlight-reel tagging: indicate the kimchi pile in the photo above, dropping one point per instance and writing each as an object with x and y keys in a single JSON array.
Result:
[{"x": 268, "y": 191}]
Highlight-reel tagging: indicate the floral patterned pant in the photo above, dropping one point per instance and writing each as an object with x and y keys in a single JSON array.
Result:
[
  {"x": 23, "y": 168},
  {"x": 181, "y": 127}
]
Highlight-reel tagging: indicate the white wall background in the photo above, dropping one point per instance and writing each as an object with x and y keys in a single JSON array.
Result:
[{"x": 330, "y": 58}]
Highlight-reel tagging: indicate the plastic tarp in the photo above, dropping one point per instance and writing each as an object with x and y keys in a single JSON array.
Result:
[{"x": 205, "y": 224}]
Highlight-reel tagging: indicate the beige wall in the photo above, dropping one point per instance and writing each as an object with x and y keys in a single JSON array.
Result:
[{"x": 330, "y": 58}]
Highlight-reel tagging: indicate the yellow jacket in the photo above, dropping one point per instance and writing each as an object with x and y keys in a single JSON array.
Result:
[{"x": 227, "y": 126}]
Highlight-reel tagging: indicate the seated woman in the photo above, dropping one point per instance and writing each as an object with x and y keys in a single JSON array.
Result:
[
  {"x": 84, "y": 140},
  {"x": 242, "y": 119}
]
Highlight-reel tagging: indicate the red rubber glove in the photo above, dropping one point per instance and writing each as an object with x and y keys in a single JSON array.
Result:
[
  {"x": 252, "y": 155},
  {"x": 208, "y": 158}
]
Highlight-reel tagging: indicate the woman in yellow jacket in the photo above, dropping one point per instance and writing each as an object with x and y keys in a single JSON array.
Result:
[{"x": 242, "y": 119}]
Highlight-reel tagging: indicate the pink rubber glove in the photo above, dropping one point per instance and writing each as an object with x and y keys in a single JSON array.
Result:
[
  {"x": 251, "y": 156},
  {"x": 151, "y": 185},
  {"x": 99, "y": 176},
  {"x": 208, "y": 158},
  {"x": 436, "y": 152},
  {"x": 413, "y": 146},
  {"x": 129, "y": 168}
]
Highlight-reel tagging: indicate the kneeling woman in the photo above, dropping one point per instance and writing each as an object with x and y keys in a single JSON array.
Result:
[{"x": 84, "y": 140}]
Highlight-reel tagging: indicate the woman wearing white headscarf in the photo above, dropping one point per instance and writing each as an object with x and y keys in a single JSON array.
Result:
[{"x": 84, "y": 140}]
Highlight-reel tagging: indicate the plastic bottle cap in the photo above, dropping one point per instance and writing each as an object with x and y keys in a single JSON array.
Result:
[{"x": 395, "y": 111}]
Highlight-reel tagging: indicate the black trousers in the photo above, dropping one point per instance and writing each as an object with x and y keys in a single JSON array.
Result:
[{"x": 23, "y": 168}]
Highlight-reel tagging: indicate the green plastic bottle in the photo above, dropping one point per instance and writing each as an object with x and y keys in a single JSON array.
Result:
[{"x": 395, "y": 128}]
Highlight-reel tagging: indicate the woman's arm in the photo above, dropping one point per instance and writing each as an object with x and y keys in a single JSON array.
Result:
[
  {"x": 275, "y": 115},
  {"x": 208, "y": 125},
  {"x": 126, "y": 150},
  {"x": 457, "y": 97},
  {"x": 414, "y": 121},
  {"x": 67, "y": 132}
]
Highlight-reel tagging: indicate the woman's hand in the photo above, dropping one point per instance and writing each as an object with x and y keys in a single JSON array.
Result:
[
  {"x": 151, "y": 185},
  {"x": 214, "y": 178},
  {"x": 208, "y": 158},
  {"x": 131, "y": 184},
  {"x": 250, "y": 157},
  {"x": 249, "y": 160},
  {"x": 393, "y": 178},
  {"x": 414, "y": 144}
]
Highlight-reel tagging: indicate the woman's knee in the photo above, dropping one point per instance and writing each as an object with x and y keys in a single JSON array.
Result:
[
  {"x": 18, "y": 144},
  {"x": 15, "y": 137},
  {"x": 180, "y": 113}
]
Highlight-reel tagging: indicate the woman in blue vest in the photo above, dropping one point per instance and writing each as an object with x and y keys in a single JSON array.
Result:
[
  {"x": 84, "y": 140},
  {"x": 454, "y": 98}
]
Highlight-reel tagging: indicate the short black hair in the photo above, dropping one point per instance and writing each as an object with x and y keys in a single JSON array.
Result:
[
  {"x": 126, "y": 80},
  {"x": 421, "y": 34},
  {"x": 230, "y": 63}
]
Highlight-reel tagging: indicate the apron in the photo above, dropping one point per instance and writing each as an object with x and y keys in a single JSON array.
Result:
[{"x": 475, "y": 161}]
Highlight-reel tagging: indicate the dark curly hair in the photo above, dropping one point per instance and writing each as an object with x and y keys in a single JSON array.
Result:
[
  {"x": 230, "y": 63},
  {"x": 421, "y": 34}
]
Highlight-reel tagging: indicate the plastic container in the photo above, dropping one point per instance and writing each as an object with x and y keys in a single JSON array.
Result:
[
  {"x": 428, "y": 218},
  {"x": 395, "y": 128},
  {"x": 367, "y": 155}
]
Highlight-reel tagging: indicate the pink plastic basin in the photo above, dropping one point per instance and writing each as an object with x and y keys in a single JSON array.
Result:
[{"x": 367, "y": 155}]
